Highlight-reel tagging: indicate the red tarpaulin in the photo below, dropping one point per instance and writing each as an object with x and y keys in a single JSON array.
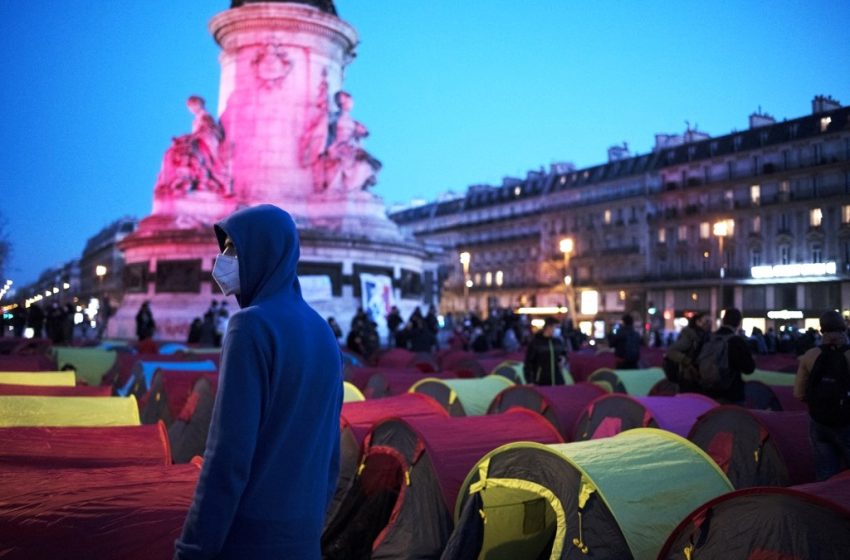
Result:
[
  {"x": 27, "y": 363},
  {"x": 54, "y": 448},
  {"x": 123, "y": 513}
]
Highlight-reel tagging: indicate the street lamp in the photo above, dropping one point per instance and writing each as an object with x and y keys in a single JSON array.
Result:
[
  {"x": 465, "y": 259},
  {"x": 566, "y": 246},
  {"x": 722, "y": 229}
]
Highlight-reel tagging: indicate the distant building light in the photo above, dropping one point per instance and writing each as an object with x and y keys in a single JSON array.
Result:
[
  {"x": 791, "y": 270},
  {"x": 784, "y": 314},
  {"x": 589, "y": 302},
  {"x": 517, "y": 191},
  {"x": 541, "y": 310},
  {"x": 65, "y": 286}
]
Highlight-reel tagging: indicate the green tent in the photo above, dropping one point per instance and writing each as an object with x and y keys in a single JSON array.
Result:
[
  {"x": 617, "y": 497},
  {"x": 89, "y": 363},
  {"x": 636, "y": 382},
  {"x": 463, "y": 397},
  {"x": 772, "y": 378}
]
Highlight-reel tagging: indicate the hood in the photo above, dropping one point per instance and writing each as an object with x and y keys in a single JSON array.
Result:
[{"x": 268, "y": 250}]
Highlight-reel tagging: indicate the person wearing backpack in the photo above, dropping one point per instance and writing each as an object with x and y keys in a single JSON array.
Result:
[
  {"x": 680, "y": 360},
  {"x": 722, "y": 359},
  {"x": 823, "y": 382},
  {"x": 626, "y": 344}
]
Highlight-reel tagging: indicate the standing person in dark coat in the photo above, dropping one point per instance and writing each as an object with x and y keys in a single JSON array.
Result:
[
  {"x": 272, "y": 457},
  {"x": 680, "y": 360},
  {"x": 546, "y": 356},
  {"x": 627, "y": 343},
  {"x": 829, "y": 426},
  {"x": 35, "y": 320},
  {"x": 194, "y": 331},
  {"x": 145, "y": 325},
  {"x": 394, "y": 322},
  {"x": 740, "y": 360}
]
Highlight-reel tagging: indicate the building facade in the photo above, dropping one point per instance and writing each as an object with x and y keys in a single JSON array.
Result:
[{"x": 757, "y": 219}]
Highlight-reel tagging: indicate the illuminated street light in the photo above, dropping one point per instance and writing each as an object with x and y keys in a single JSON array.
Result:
[
  {"x": 566, "y": 245},
  {"x": 721, "y": 230},
  {"x": 465, "y": 259}
]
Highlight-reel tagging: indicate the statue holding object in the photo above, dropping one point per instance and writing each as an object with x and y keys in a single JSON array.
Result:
[
  {"x": 343, "y": 166},
  {"x": 196, "y": 161}
]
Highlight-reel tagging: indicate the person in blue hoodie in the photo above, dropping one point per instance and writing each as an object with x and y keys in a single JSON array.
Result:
[{"x": 272, "y": 455}]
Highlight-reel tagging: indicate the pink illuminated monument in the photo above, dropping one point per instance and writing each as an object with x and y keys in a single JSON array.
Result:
[{"x": 286, "y": 136}]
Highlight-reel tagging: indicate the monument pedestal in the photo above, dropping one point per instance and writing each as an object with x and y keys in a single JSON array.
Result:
[{"x": 281, "y": 65}]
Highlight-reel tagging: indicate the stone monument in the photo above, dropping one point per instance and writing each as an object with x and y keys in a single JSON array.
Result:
[{"x": 286, "y": 136}]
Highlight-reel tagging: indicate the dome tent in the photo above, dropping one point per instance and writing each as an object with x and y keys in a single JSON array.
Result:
[
  {"x": 463, "y": 397},
  {"x": 399, "y": 505},
  {"x": 612, "y": 498},
  {"x": 561, "y": 405},
  {"x": 611, "y": 414},
  {"x": 357, "y": 418},
  {"x": 797, "y": 523},
  {"x": 757, "y": 447},
  {"x": 631, "y": 381}
]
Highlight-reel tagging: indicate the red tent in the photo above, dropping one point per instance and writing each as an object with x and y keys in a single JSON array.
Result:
[
  {"x": 768, "y": 523},
  {"x": 38, "y": 362},
  {"x": 170, "y": 390},
  {"x": 396, "y": 358},
  {"x": 358, "y": 418},
  {"x": 585, "y": 362},
  {"x": 77, "y": 391},
  {"x": 757, "y": 447},
  {"x": 611, "y": 414},
  {"x": 561, "y": 405},
  {"x": 400, "y": 504},
  {"x": 124, "y": 513},
  {"x": 49, "y": 448}
]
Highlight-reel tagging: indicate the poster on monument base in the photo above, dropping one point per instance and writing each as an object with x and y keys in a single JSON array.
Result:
[{"x": 376, "y": 293}]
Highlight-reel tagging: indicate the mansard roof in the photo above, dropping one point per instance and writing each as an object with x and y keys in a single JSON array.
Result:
[{"x": 538, "y": 183}]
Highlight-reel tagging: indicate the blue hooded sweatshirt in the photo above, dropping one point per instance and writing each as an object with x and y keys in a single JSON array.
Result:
[{"x": 272, "y": 455}]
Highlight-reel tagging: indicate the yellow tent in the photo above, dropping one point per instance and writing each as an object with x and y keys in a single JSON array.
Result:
[
  {"x": 27, "y": 411},
  {"x": 38, "y": 378}
]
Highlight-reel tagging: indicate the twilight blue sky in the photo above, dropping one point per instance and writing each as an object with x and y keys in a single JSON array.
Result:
[{"x": 454, "y": 93}]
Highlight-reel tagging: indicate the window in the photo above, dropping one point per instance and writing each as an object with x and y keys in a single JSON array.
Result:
[
  {"x": 817, "y": 253},
  {"x": 784, "y": 190},
  {"x": 683, "y": 233},
  {"x": 755, "y": 257},
  {"x": 756, "y": 224},
  {"x": 824, "y": 123},
  {"x": 500, "y": 277},
  {"x": 477, "y": 278},
  {"x": 784, "y": 222},
  {"x": 488, "y": 278},
  {"x": 704, "y": 230},
  {"x": 845, "y": 214},
  {"x": 662, "y": 235},
  {"x": 815, "y": 217},
  {"x": 607, "y": 217},
  {"x": 729, "y": 199},
  {"x": 755, "y": 195},
  {"x": 784, "y": 254}
]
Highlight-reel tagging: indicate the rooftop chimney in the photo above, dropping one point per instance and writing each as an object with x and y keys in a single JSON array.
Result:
[
  {"x": 759, "y": 118},
  {"x": 824, "y": 103},
  {"x": 616, "y": 153}
]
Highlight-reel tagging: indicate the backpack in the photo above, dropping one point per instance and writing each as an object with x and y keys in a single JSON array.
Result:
[
  {"x": 828, "y": 389},
  {"x": 713, "y": 363}
]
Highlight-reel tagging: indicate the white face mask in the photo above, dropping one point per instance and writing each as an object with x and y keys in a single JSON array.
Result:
[{"x": 225, "y": 272}]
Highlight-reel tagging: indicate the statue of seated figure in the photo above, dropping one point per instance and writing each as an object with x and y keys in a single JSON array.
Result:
[
  {"x": 344, "y": 166},
  {"x": 194, "y": 161}
]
